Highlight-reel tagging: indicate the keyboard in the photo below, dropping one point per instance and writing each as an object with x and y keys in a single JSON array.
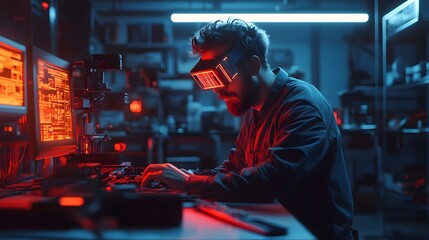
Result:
[
  {"x": 133, "y": 183},
  {"x": 113, "y": 180},
  {"x": 129, "y": 178}
]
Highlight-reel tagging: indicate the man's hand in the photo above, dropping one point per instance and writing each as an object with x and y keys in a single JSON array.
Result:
[{"x": 166, "y": 173}]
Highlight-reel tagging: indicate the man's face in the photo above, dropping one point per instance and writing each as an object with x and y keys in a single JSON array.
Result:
[{"x": 240, "y": 94}]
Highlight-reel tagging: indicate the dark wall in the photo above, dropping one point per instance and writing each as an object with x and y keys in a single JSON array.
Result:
[
  {"x": 28, "y": 23},
  {"x": 74, "y": 28},
  {"x": 15, "y": 20}
]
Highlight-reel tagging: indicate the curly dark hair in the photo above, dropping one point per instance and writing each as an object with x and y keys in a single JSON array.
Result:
[{"x": 230, "y": 32}]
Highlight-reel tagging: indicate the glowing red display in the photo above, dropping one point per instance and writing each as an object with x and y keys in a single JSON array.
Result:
[
  {"x": 55, "y": 112},
  {"x": 11, "y": 76}
]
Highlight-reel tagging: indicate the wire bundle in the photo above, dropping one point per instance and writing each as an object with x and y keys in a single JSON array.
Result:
[{"x": 11, "y": 156}]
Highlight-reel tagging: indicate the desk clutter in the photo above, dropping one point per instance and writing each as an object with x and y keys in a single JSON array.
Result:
[
  {"x": 84, "y": 196},
  {"x": 107, "y": 211},
  {"x": 94, "y": 197}
]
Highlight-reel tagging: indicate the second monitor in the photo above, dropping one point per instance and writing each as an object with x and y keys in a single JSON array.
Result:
[{"x": 51, "y": 105}]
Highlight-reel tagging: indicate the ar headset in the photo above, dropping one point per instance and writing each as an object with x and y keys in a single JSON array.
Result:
[{"x": 219, "y": 72}]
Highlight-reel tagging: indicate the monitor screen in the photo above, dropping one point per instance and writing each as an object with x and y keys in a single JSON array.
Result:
[
  {"x": 13, "y": 101},
  {"x": 52, "y": 97}
]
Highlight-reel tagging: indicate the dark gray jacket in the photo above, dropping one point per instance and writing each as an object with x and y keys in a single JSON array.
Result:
[{"x": 291, "y": 151}]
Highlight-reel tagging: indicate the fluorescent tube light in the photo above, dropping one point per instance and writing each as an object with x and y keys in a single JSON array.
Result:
[{"x": 273, "y": 17}]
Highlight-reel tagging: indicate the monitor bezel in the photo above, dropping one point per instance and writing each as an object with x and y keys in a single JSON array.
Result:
[
  {"x": 54, "y": 148},
  {"x": 9, "y": 112}
]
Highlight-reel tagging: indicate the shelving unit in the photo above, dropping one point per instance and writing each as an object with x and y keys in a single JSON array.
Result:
[{"x": 405, "y": 105}]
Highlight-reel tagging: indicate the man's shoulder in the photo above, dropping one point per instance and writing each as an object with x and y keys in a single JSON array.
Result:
[
  {"x": 302, "y": 93},
  {"x": 298, "y": 83},
  {"x": 299, "y": 89}
]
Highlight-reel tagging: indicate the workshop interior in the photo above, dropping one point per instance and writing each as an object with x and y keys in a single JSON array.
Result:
[{"x": 93, "y": 91}]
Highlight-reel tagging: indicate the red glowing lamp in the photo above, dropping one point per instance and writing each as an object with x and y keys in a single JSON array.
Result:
[
  {"x": 136, "y": 106},
  {"x": 45, "y": 5}
]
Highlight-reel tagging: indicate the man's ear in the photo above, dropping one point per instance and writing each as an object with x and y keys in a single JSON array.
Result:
[{"x": 255, "y": 65}]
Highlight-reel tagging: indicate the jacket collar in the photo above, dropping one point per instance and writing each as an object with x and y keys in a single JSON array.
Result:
[{"x": 275, "y": 90}]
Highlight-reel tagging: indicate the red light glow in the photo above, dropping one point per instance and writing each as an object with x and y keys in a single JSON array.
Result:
[
  {"x": 120, "y": 147},
  {"x": 337, "y": 118},
  {"x": 71, "y": 201},
  {"x": 150, "y": 143},
  {"x": 136, "y": 106},
  {"x": 86, "y": 148},
  {"x": 7, "y": 129},
  {"x": 45, "y": 5}
]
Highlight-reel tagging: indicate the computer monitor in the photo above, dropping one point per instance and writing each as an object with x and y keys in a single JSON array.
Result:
[
  {"x": 13, "y": 78},
  {"x": 54, "y": 127}
]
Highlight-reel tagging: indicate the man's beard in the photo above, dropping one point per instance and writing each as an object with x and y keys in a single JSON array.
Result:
[
  {"x": 239, "y": 105},
  {"x": 237, "y": 108}
]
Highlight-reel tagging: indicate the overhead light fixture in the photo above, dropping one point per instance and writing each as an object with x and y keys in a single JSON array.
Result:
[{"x": 273, "y": 17}]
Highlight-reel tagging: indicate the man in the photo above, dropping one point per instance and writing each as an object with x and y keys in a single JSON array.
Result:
[{"x": 289, "y": 146}]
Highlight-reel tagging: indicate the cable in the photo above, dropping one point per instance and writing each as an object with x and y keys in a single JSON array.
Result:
[
  {"x": 18, "y": 180},
  {"x": 17, "y": 192},
  {"x": 11, "y": 157}
]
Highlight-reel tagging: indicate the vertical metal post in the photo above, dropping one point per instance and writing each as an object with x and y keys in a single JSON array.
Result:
[{"x": 315, "y": 59}]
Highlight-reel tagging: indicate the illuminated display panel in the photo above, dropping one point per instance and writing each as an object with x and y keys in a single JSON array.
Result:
[
  {"x": 51, "y": 105},
  {"x": 55, "y": 115},
  {"x": 13, "y": 102}
]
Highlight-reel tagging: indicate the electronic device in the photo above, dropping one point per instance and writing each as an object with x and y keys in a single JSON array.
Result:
[
  {"x": 128, "y": 179},
  {"x": 80, "y": 179},
  {"x": 90, "y": 95},
  {"x": 239, "y": 218},
  {"x": 121, "y": 210},
  {"x": 220, "y": 71},
  {"x": 50, "y": 105},
  {"x": 13, "y": 78}
]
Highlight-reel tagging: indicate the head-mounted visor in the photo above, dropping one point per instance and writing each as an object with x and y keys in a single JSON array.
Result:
[{"x": 218, "y": 72}]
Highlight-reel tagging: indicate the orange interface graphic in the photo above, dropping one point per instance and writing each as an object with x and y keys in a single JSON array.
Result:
[
  {"x": 11, "y": 76},
  {"x": 55, "y": 113}
]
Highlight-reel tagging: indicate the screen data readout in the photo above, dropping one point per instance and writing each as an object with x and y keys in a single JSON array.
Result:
[
  {"x": 11, "y": 76},
  {"x": 55, "y": 112}
]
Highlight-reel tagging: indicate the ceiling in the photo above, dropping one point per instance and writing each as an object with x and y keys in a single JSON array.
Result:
[{"x": 137, "y": 7}]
